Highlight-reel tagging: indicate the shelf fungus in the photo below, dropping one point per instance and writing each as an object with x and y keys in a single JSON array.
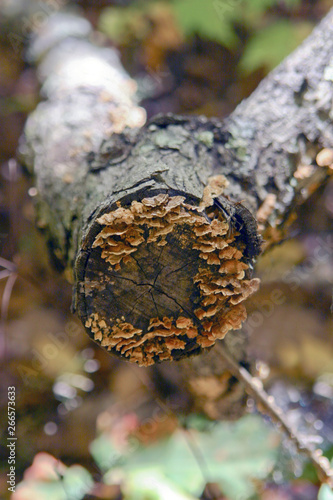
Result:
[{"x": 175, "y": 276}]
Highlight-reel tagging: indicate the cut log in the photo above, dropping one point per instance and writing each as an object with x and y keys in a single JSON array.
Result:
[{"x": 156, "y": 227}]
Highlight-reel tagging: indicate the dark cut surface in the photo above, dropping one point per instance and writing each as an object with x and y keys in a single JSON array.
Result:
[
  {"x": 157, "y": 282},
  {"x": 164, "y": 278}
]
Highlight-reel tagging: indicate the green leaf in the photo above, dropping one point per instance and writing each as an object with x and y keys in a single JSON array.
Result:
[
  {"x": 152, "y": 485},
  {"x": 325, "y": 493},
  {"x": 105, "y": 454},
  {"x": 173, "y": 459},
  {"x": 208, "y": 19},
  {"x": 237, "y": 452},
  {"x": 253, "y": 11},
  {"x": 261, "y": 6},
  {"x": 269, "y": 46},
  {"x": 76, "y": 482},
  {"x": 215, "y": 19},
  {"x": 233, "y": 454}
]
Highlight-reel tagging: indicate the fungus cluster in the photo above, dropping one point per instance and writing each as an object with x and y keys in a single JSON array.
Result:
[{"x": 220, "y": 281}]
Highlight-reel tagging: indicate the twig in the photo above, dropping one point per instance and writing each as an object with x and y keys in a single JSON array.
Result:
[{"x": 266, "y": 404}]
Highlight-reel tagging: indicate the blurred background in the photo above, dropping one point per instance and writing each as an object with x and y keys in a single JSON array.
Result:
[{"x": 97, "y": 427}]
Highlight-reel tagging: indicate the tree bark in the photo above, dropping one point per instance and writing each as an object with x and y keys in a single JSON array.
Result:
[{"x": 147, "y": 222}]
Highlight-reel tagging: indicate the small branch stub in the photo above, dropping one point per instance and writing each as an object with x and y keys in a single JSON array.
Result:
[{"x": 166, "y": 277}]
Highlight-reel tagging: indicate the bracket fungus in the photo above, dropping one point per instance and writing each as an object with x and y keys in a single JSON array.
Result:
[{"x": 175, "y": 274}]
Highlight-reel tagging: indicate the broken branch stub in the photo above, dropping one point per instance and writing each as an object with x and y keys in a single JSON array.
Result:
[{"x": 164, "y": 276}]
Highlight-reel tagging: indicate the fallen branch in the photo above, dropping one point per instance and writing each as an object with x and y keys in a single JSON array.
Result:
[{"x": 147, "y": 223}]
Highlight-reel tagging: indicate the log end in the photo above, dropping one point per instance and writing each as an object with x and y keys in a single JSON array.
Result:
[{"x": 164, "y": 277}]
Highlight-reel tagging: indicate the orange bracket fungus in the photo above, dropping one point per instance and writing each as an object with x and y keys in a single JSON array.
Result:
[{"x": 176, "y": 275}]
